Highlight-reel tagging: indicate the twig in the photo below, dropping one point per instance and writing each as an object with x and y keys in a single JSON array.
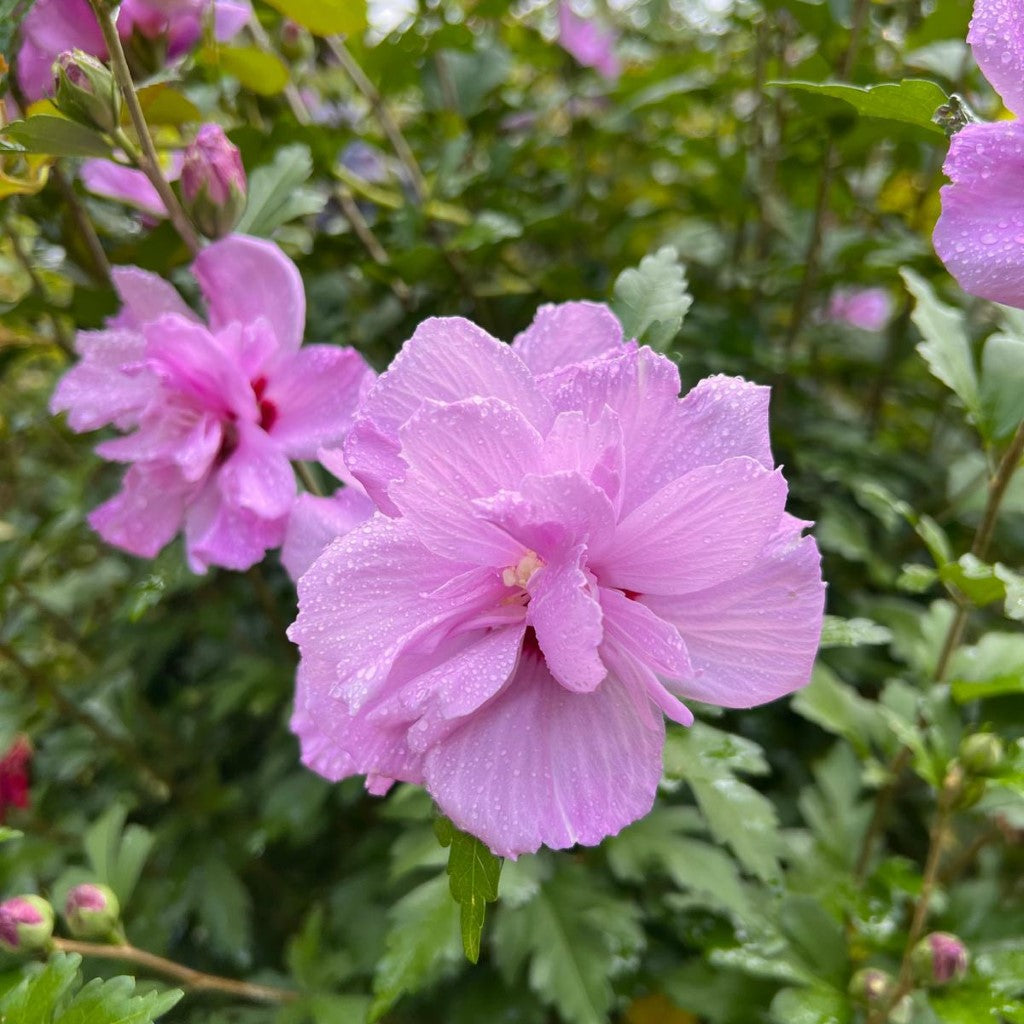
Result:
[
  {"x": 148, "y": 161},
  {"x": 197, "y": 981},
  {"x": 86, "y": 231},
  {"x": 304, "y": 473}
]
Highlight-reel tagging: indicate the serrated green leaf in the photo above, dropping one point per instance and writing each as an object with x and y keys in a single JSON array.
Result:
[
  {"x": 839, "y": 709},
  {"x": 1002, "y": 385},
  {"x": 34, "y": 998},
  {"x": 325, "y": 17},
  {"x": 117, "y": 853},
  {"x": 946, "y": 348},
  {"x": 114, "y": 1002},
  {"x": 423, "y": 944},
  {"x": 910, "y": 101},
  {"x": 651, "y": 300},
  {"x": 473, "y": 873},
  {"x": 276, "y": 195},
  {"x": 993, "y": 667},
  {"x": 55, "y": 136},
  {"x": 839, "y": 632},
  {"x": 976, "y": 580}
]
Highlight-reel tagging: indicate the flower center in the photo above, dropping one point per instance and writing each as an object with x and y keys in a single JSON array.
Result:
[
  {"x": 268, "y": 411},
  {"x": 519, "y": 575}
]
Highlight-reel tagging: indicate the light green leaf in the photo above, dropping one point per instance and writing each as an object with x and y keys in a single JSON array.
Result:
[
  {"x": 325, "y": 17},
  {"x": 473, "y": 873},
  {"x": 817, "y": 1005},
  {"x": 1002, "y": 385},
  {"x": 976, "y": 580},
  {"x": 36, "y": 995},
  {"x": 910, "y": 101},
  {"x": 838, "y": 632},
  {"x": 276, "y": 194},
  {"x": 117, "y": 853},
  {"x": 652, "y": 299},
  {"x": 114, "y": 1002},
  {"x": 423, "y": 944},
  {"x": 260, "y": 72},
  {"x": 946, "y": 347},
  {"x": 56, "y": 136},
  {"x": 839, "y": 709},
  {"x": 992, "y": 667},
  {"x": 7, "y": 834}
]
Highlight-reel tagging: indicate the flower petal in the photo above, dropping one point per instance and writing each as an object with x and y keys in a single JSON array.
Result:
[
  {"x": 230, "y": 17},
  {"x": 636, "y": 631},
  {"x": 245, "y": 278},
  {"x": 539, "y": 765},
  {"x": 754, "y": 638},
  {"x": 570, "y": 332},
  {"x": 314, "y": 522},
  {"x": 145, "y": 297},
  {"x": 980, "y": 234},
  {"x": 257, "y": 475},
  {"x": 996, "y": 37},
  {"x": 446, "y": 360},
  {"x": 702, "y": 529},
  {"x": 123, "y": 185},
  {"x": 314, "y": 393}
]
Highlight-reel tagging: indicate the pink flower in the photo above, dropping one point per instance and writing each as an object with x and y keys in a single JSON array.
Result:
[
  {"x": 14, "y": 776},
  {"x": 126, "y": 185},
  {"x": 980, "y": 234},
  {"x": 314, "y": 522},
  {"x": 587, "y": 42},
  {"x": 870, "y": 309},
  {"x": 565, "y": 549},
  {"x": 217, "y": 410},
  {"x": 53, "y": 26}
]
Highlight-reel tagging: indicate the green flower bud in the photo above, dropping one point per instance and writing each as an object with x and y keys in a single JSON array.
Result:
[
  {"x": 871, "y": 986},
  {"x": 939, "y": 959},
  {"x": 92, "y": 912},
  {"x": 26, "y": 924},
  {"x": 86, "y": 91},
  {"x": 982, "y": 754}
]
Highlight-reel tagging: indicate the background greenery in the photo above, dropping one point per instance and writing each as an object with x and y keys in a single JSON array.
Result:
[{"x": 161, "y": 699}]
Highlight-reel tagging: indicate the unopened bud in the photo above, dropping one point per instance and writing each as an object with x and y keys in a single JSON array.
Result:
[
  {"x": 213, "y": 183},
  {"x": 939, "y": 959},
  {"x": 870, "y": 986},
  {"x": 26, "y": 924},
  {"x": 982, "y": 754},
  {"x": 92, "y": 912},
  {"x": 86, "y": 91}
]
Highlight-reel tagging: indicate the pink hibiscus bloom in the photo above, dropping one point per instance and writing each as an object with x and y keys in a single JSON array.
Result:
[
  {"x": 587, "y": 42},
  {"x": 980, "y": 234},
  {"x": 53, "y": 26},
  {"x": 14, "y": 776},
  {"x": 217, "y": 410},
  {"x": 870, "y": 309},
  {"x": 565, "y": 548}
]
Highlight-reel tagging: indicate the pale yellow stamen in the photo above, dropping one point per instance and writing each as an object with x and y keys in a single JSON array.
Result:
[{"x": 519, "y": 575}]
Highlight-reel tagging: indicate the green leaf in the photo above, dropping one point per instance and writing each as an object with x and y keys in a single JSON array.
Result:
[
  {"x": 945, "y": 348},
  {"x": 325, "y": 17},
  {"x": 225, "y": 906},
  {"x": 839, "y": 709},
  {"x": 7, "y": 834},
  {"x": 260, "y": 72},
  {"x": 473, "y": 873},
  {"x": 838, "y": 632},
  {"x": 576, "y": 937},
  {"x": 117, "y": 853},
  {"x": 56, "y": 136},
  {"x": 817, "y": 1005},
  {"x": 114, "y": 1002},
  {"x": 1002, "y": 385},
  {"x": 34, "y": 998},
  {"x": 652, "y": 299},
  {"x": 976, "y": 580},
  {"x": 993, "y": 667},
  {"x": 422, "y": 945},
  {"x": 275, "y": 192},
  {"x": 910, "y": 101}
]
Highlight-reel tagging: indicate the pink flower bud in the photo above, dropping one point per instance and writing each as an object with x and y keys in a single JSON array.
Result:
[
  {"x": 26, "y": 924},
  {"x": 213, "y": 183},
  {"x": 86, "y": 91},
  {"x": 91, "y": 911},
  {"x": 939, "y": 959}
]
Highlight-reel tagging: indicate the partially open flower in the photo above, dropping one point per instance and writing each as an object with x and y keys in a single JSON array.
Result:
[
  {"x": 26, "y": 924},
  {"x": 92, "y": 911}
]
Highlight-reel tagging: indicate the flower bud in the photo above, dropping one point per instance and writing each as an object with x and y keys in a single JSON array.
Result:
[
  {"x": 870, "y": 986},
  {"x": 938, "y": 959},
  {"x": 213, "y": 184},
  {"x": 26, "y": 924},
  {"x": 982, "y": 754},
  {"x": 86, "y": 91},
  {"x": 92, "y": 912}
]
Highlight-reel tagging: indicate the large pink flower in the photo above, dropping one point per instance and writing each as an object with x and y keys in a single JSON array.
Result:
[
  {"x": 565, "y": 549},
  {"x": 980, "y": 235},
  {"x": 217, "y": 410},
  {"x": 53, "y": 26}
]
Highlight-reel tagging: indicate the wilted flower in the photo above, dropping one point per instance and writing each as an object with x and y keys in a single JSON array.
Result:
[
  {"x": 939, "y": 959},
  {"x": 980, "y": 234},
  {"x": 14, "y": 776},
  {"x": 218, "y": 410},
  {"x": 26, "y": 924},
  {"x": 92, "y": 911},
  {"x": 53, "y": 26},
  {"x": 213, "y": 183},
  {"x": 587, "y": 42},
  {"x": 870, "y": 309},
  {"x": 564, "y": 549}
]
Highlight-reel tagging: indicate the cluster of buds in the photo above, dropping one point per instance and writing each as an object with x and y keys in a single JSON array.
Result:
[
  {"x": 213, "y": 182},
  {"x": 90, "y": 911},
  {"x": 86, "y": 91}
]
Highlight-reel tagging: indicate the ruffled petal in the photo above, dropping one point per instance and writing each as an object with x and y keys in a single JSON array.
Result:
[
  {"x": 702, "y": 529},
  {"x": 753, "y": 639},
  {"x": 230, "y": 17},
  {"x": 313, "y": 394},
  {"x": 257, "y": 475},
  {"x": 123, "y": 185},
  {"x": 446, "y": 360},
  {"x": 145, "y": 297},
  {"x": 314, "y": 522},
  {"x": 980, "y": 234},
  {"x": 245, "y": 278},
  {"x": 642, "y": 636},
  {"x": 539, "y": 765},
  {"x": 51, "y": 27},
  {"x": 996, "y": 37},
  {"x": 571, "y": 332}
]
